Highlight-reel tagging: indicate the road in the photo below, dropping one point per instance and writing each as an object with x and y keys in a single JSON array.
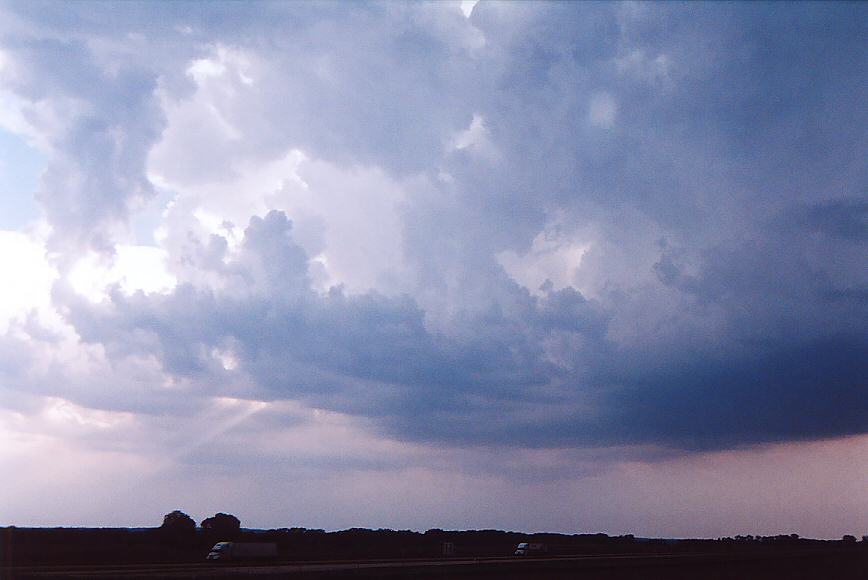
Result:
[{"x": 789, "y": 565}]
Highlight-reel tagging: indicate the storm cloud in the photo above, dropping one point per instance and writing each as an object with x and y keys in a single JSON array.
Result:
[{"x": 537, "y": 226}]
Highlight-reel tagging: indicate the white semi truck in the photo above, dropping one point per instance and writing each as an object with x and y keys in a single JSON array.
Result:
[
  {"x": 234, "y": 551},
  {"x": 531, "y": 549}
]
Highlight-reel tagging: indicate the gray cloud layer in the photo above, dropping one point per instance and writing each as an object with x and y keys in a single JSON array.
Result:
[{"x": 711, "y": 156}]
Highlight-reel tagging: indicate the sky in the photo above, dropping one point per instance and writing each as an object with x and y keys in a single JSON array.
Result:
[{"x": 576, "y": 267}]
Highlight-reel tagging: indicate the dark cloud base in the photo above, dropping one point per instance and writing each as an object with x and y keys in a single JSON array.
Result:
[{"x": 372, "y": 355}]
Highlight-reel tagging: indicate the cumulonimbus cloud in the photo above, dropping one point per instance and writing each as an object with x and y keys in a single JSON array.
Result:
[{"x": 719, "y": 298}]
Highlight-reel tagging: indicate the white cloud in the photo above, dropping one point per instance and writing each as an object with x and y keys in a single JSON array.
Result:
[
  {"x": 27, "y": 277},
  {"x": 204, "y": 68},
  {"x": 636, "y": 63},
  {"x": 16, "y": 116},
  {"x": 467, "y": 7},
  {"x": 354, "y": 213},
  {"x": 346, "y": 218},
  {"x": 602, "y": 110},
  {"x": 475, "y": 138},
  {"x": 133, "y": 268},
  {"x": 65, "y": 415},
  {"x": 554, "y": 255}
]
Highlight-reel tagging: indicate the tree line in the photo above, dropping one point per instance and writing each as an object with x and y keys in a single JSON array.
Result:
[
  {"x": 221, "y": 527},
  {"x": 179, "y": 539}
]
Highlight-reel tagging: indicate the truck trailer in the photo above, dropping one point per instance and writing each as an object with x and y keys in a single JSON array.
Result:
[
  {"x": 531, "y": 549},
  {"x": 235, "y": 551}
]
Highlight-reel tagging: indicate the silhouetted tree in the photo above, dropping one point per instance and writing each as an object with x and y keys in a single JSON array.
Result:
[
  {"x": 178, "y": 528},
  {"x": 848, "y": 539},
  {"x": 222, "y": 527},
  {"x": 178, "y": 521}
]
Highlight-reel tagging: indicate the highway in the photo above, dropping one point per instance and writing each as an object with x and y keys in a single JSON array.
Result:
[
  {"x": 776, "y": 565},
  {"x": 392, "y": 568}
]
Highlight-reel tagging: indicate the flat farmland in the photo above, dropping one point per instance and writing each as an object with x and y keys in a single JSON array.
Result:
[{"x": 831, "y": 564}]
